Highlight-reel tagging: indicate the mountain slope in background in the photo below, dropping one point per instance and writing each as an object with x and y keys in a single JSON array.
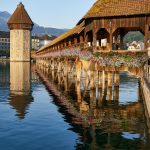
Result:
[
  {"x": 4, "y": 16},
  {"x": 37, "y": 30}
]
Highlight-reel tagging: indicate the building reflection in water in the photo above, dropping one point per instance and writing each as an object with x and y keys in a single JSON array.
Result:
[
  {"x": 96, "y": 114},
  {"x": 20, "y": 87}
]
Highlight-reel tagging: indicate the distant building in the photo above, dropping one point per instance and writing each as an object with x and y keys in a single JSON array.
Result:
[
  {"x": 45, "y": 39},
  {"x": 35, "y": 42},
  {"x": 136, "y": 45},
  {"x": 4, "y": 40},
  {"x": 39, "y": 41}
]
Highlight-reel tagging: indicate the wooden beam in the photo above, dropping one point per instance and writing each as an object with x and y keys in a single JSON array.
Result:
[
  {"x": 146, "y": 38},
  {"x": 94, "y": 44}
]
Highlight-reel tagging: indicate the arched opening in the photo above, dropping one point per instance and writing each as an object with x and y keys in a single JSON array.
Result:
[
  {"x": 134, "y": 40},
  {"x": 72, "y": 40},
  {"x": 102, "y": 39},
  {"x": 89, "y": 38},
  {"x": 128, "y": 39},
  {"x": 78, "y": 39}
]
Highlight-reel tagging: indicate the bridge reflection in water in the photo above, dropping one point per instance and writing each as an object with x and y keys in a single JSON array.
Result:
[
  {"x": 97, "y": 113},
  {"x": 103, "y": 117}
]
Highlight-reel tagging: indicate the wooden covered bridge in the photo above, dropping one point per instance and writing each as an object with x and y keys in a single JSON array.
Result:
[
  {"x": 107, "y": 19},
  {"x": 96, "y": 42}
]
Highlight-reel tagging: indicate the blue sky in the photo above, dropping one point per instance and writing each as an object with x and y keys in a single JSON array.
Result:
[{"x": 51, "y": 13}]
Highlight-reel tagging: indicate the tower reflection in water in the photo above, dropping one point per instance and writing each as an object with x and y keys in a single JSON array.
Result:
[
  {"x": 96, "y": 114},
  {"x": 20, "y": 87}
]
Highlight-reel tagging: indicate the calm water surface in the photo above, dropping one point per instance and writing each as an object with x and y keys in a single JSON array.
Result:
[{"x": 46, "y": 111}]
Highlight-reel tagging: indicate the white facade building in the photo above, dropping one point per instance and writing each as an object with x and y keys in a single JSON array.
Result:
[
  {"x": 35, "y": 43},
  {"x": 45, "y": 39}
]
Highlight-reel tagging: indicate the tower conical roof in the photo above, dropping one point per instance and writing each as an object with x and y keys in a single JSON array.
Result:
[{"x": 20, "y": 16}]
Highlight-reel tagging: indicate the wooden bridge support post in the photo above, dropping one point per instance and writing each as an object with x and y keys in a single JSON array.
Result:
[
  {"x": 65, "y": 69},
  {"x": 103, "y": 79},
  {"x": 78, "y": 70},
  {"x": 66, "y": 83},
  {"x": 53, "y": 75},
  {"x": 92, "y": 80},
  {"x": 106, "y": 76},
  {"x": 47, "y": 66},
  {"x": 146, "y": 34},
  {"x": 59, "y": 68},
  {"x": 56, "y": 65},
  {"x": 111, "y": 39},
  {"x": 100, "y": 96},
  {"x": 92, "y": 98},
  {"x": 94, "y": 44},
  {"x": 109, "y": 85},
  {"x": 65, "y": 43},
  {"x": 110, "y": 79},
  {"x": 53, "y": 68},
  {"x": 43, "y": 62},
  {"x": 46, "y": 63},
  {"x": 49, "y": 62},
  {"x": 69, "y": 66},
  {"x": 109, "y": 93},
  {"x": 85, "y": 40},
  {"x": 59, "y": 78},
  {"x": 78, "y": 90},
  {"x": 87, "y": 79},
  {"x": 81, "y": 39},
  {"x": 100, "y": 79},
  {"x": 75, "y": 40},
  {"x": 116, "y": 78},
  {"x": 116, "y": 93},
  {"x": 52, "y": 64}
]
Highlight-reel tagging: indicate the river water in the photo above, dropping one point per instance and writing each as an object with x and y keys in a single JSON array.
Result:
[{"x": 41, "y": 110}]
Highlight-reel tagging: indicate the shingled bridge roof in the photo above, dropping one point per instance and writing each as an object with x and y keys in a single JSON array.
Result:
[{"x": 106, "y": 8}]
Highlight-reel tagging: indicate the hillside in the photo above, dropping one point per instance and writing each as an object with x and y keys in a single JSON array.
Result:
[{"x": 37, "y": 29}]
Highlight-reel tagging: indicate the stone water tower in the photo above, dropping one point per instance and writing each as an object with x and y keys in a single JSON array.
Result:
[{"x": 20, "y": 25}]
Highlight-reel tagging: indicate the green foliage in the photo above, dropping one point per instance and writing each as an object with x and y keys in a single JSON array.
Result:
[
  {"x": 127, "y": 57},
  {"x": 111, "y": 53},
  {"x": 133, "y": 36},
  {"x": 97, "y": 54}
]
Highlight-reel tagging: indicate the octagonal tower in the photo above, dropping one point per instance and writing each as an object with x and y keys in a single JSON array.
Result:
[{"x": 20, "y": 25}]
